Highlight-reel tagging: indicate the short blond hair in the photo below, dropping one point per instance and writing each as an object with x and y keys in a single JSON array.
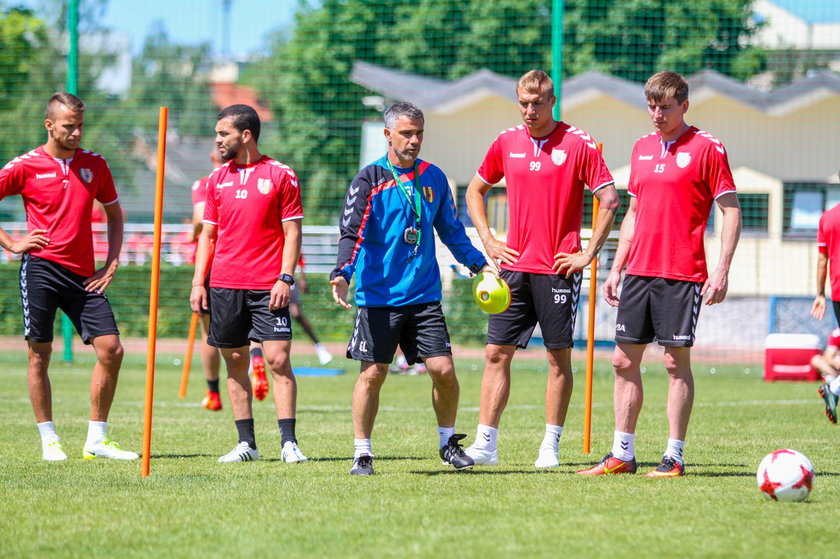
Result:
[
  {"x": 666, "y": 84},
  {"x": 535, "y": 81}
]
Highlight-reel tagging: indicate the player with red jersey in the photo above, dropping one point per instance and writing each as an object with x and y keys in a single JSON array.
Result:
[
  {"x": 546, "y": 165},
  {"x": 676, "y": 175},
  {"x": 59, "y": 182},
  {"x": 210, "y": 359},
  {"x": 828, "y": 243},
  {"x": 252, "y": 235},
  {"x": 828, "y": 362}
]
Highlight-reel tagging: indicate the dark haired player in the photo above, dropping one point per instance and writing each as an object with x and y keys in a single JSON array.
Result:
[{"x": 252, "y": 235}]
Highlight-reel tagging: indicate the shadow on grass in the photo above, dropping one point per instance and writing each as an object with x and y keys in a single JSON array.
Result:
[
  {"x": 482, "y": 471},
  {"x": 175, "y": 456},
  {"x": 350, "y": 458}
]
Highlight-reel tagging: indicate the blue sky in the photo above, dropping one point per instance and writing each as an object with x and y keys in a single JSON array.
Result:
[
  {"x": 193, "y": 21},
  {"x": 814, "y": 11}
]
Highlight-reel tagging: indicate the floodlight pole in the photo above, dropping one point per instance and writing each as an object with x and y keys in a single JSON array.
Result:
[
  {"x": 73, "y": 49},
  {"x": 557, "y": 54},
  {"x": 72, "y": 86}
]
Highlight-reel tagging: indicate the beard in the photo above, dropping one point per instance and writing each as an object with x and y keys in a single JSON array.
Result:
[
  {"x": 407, "y": 155},
  {"x": 230, "y": 152},
  {"x": 63, "y": 143}
]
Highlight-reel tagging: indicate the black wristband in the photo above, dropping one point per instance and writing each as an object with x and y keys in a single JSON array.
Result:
[{"x": 286, "y": 278}]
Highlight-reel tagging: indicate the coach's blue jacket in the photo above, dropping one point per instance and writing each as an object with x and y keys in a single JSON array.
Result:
[{"x": 375, "y": 216}]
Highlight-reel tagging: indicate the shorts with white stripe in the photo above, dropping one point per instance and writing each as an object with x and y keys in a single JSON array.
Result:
[
  {"x": 45, "y": 287},
  {"x": 660, "y": 309}
]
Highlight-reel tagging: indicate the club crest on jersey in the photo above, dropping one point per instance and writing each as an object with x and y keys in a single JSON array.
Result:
[
  {"x": 264, "y": 186},
  {"x": 683, "y": 159},
  {"x": 429, "y": 193},
  {"x": 558, "y": 156},
  {"x": 87, "y": 175}
]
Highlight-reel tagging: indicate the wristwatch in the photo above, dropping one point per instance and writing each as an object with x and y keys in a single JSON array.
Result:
[{"x": 286, "y": 278}]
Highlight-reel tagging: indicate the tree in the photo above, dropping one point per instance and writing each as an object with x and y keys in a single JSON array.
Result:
[
  {"x": 633, "y": 39},
  {"x": 25, "y": 72},
  {"x": 175, "y": 76}
]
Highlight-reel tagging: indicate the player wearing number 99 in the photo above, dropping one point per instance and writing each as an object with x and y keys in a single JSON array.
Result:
[
  {"x": 392, "y": 210},
  {"x": 677, "y": 174},
  {"x": 546, "y": 164},
  {"x": 252, "y": 235}
]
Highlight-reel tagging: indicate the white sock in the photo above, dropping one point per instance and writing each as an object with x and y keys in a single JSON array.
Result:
[
  {"x": 48, "y": 434},
  {"x": 834, "y": 386},
  {"x": 360, "y": 447},
  {"x": 485, "y": 437},
  {"x": 624, "y": 446},
  {"x": 96, "y": 433},
  {"x": 551, "y": 440},
  {"x": 444, "y": 433},
  {"x": 675, "y": 450}
]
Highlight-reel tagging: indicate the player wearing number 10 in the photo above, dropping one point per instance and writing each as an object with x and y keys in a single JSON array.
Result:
[
  {"x": 546, "y": 164},
  {"x": 252, "y": 234}
]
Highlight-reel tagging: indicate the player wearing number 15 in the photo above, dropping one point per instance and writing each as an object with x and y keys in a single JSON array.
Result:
[
  {"x": 546, "y": 165},
  {"x": 677, "y": 174},
  {"x": 252, "y": 235}
]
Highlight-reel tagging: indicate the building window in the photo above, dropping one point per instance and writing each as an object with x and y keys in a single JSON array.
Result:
[
  {"x": 623, "y": 197},
  {"x": 804, "y": 203},
  {"x": 755, "y": 210}
]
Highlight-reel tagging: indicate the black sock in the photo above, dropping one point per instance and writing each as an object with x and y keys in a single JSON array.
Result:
[
  {"x": 213, "y": 385},
  {"x": 246, "y": 431},
  {"x": 287, "y": 430}
]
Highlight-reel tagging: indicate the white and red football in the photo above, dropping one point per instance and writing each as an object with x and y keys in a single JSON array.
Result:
[{"x": 785, "y": 475}]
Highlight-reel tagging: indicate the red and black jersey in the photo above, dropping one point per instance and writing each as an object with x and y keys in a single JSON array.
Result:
[
  {"x": 199, "y": 191},
  {"x": 828, "y": 243},
  {"x": 249, "y": 205},
  {"x": 545, "y": 180},
  {"x": 675, "y": 185},
  {"x": 58, "y": 196}
]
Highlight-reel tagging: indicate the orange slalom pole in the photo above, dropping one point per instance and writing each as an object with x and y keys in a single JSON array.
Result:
[
  {"x": 185, "y": 375},
  {"x": 590, "y": 335},
  {"x": 154, "y": 293}
]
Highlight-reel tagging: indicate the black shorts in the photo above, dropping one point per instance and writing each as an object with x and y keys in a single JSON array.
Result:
[
  {"x": 420, "y": 330},
  {"x": 836, "y": 305},
  {"x": 241, "y": 315},
  {"x": 45, "y": 287},
  {"x": 549, "y": 299},
  {"x": 658, "y": 309}
]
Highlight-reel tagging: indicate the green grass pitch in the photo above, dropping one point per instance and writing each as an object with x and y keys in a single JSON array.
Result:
[{"x": 192, "y": 506}]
